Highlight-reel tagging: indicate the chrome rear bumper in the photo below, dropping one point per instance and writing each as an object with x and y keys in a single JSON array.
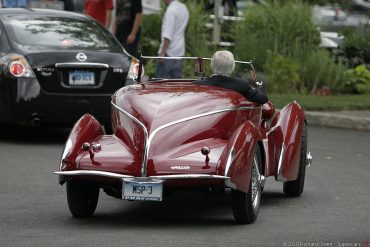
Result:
[{"x": 120, "y": 176}]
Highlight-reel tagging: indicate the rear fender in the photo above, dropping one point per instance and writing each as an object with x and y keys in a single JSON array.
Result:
[
  {"x": 86, "y": 129},
  {"x": 284, "y": 143},
  {"x": 237, "y": 162}
]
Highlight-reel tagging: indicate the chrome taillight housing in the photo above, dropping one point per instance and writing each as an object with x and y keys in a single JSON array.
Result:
[{"x": 18, "y": 66}]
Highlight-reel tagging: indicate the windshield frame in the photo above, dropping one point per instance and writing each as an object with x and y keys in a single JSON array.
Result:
[{"x": 198, "y": 71}]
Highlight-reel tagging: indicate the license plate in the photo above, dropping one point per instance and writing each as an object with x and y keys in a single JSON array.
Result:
[
  {"x": 137, "y": 189},
  {"x": 81, "y": 78}
]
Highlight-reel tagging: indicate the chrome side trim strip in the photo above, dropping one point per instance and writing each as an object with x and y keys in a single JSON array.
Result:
[
  {"x": 92, "y": 173},
  {"x": 84, "y": 65},
  {"x": 279, "y": 176},
  {"x": 67, "y": 148},
  {"x": 145, "y": 154},
  {"x": 229, "y": 159},
  {"x": 120, "y": 176},
  {"x": 189, "y": 176}
]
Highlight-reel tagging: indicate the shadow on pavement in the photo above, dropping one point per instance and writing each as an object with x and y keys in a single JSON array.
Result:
[
  {"x": 178, "y": 210},
  {"x": 26, "y": 134}
]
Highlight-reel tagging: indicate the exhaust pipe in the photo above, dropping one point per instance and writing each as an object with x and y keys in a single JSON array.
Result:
[{"x": 35, "y": 120}]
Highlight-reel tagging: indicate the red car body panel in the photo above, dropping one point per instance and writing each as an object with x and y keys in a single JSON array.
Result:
[
  {"x": 286, "y": 131},
  {"x": 291, "y": 120},
  {"x": 86, "y": 129},
  {"x": 114, "y": 156},
  {"x": 243, "y": 142},
  {"x": 168, "y": 140}
]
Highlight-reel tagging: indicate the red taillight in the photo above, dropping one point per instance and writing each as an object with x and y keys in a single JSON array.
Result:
[
  {"x": 17, "y": 66},
  {"x": 17, "y": 69}
]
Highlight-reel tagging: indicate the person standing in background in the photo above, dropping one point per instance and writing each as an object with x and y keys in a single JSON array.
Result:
[
  {"x": 101, "y": 10},
  {"x": 174, "y": 24},
  {"x": 127, "y": 26}
]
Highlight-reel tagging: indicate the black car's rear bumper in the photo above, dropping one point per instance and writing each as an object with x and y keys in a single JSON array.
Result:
[{"x": 24, "y": 105}]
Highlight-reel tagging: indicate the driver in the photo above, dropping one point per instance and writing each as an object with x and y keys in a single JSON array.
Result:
[{"x": 222, "y": 65}]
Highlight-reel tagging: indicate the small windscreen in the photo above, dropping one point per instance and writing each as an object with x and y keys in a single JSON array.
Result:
[
  {"x": 197, "y": 68},
  {"x": 61, "y": 32}
]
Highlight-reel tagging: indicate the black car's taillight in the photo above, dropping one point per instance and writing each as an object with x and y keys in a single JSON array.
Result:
[
  {"x": 18, "y": 66},
  {"x": 134, "y": 69}
]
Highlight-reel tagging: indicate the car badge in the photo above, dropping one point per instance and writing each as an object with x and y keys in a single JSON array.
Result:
[
  {"x": 81, "y": 57},
  {"x": 45, "y": 73},
  {"x": 180, "y": 167}
]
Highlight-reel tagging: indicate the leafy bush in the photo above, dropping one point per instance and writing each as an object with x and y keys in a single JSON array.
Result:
[
  {"x": 150, "y": 68},
  {"x": 196, "y": 36},
  {"x": 357, "y": 38},
  {"x": 358, "y": 80},
  {"x": 150, "y": 40},
  {"x": 283, "y": 74},
  {"x": 356, "y": 46},
  {"x": 318, "y": 69},
  {"x": 281, "y": 39},
  {"x": 305, "y": 72},
  {"x": 151, "y": 34},
  {"x": 274, "y": 29}
]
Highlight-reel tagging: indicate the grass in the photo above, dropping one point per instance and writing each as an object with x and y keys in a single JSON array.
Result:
[{"x": 323, "y": 103}]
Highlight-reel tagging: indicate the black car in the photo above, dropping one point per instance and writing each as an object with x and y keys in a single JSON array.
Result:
[{"x": 57, "y": 65}]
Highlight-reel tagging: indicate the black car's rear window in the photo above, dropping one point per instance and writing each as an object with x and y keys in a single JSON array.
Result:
[{"x": 63, "y": 32}]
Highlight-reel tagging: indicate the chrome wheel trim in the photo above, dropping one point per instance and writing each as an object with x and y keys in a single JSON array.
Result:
[{"x": 256, "y": 185}]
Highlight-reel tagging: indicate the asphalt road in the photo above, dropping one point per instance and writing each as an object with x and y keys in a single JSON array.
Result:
[{"x": 333, "y": 210}]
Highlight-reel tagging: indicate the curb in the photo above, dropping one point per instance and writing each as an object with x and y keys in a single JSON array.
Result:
[{"x": 337, "y": 120}]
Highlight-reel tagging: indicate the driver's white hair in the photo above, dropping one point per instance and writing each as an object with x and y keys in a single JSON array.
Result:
[{"x": 222, "y": 63}]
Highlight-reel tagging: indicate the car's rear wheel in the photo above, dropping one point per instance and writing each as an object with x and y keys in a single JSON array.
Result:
[
  {"x": 246, "y": 205},
  {"x": 295, "y": 188},
  {"x": 82, "y": 198}
]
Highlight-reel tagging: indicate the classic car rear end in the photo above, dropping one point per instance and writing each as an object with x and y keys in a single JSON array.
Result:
[
  {"x": 174, "y": 134},
  {"x": 167, "y": 135}
]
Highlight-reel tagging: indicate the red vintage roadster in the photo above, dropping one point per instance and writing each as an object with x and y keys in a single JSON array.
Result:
[{"x": 173, "y": 134}]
